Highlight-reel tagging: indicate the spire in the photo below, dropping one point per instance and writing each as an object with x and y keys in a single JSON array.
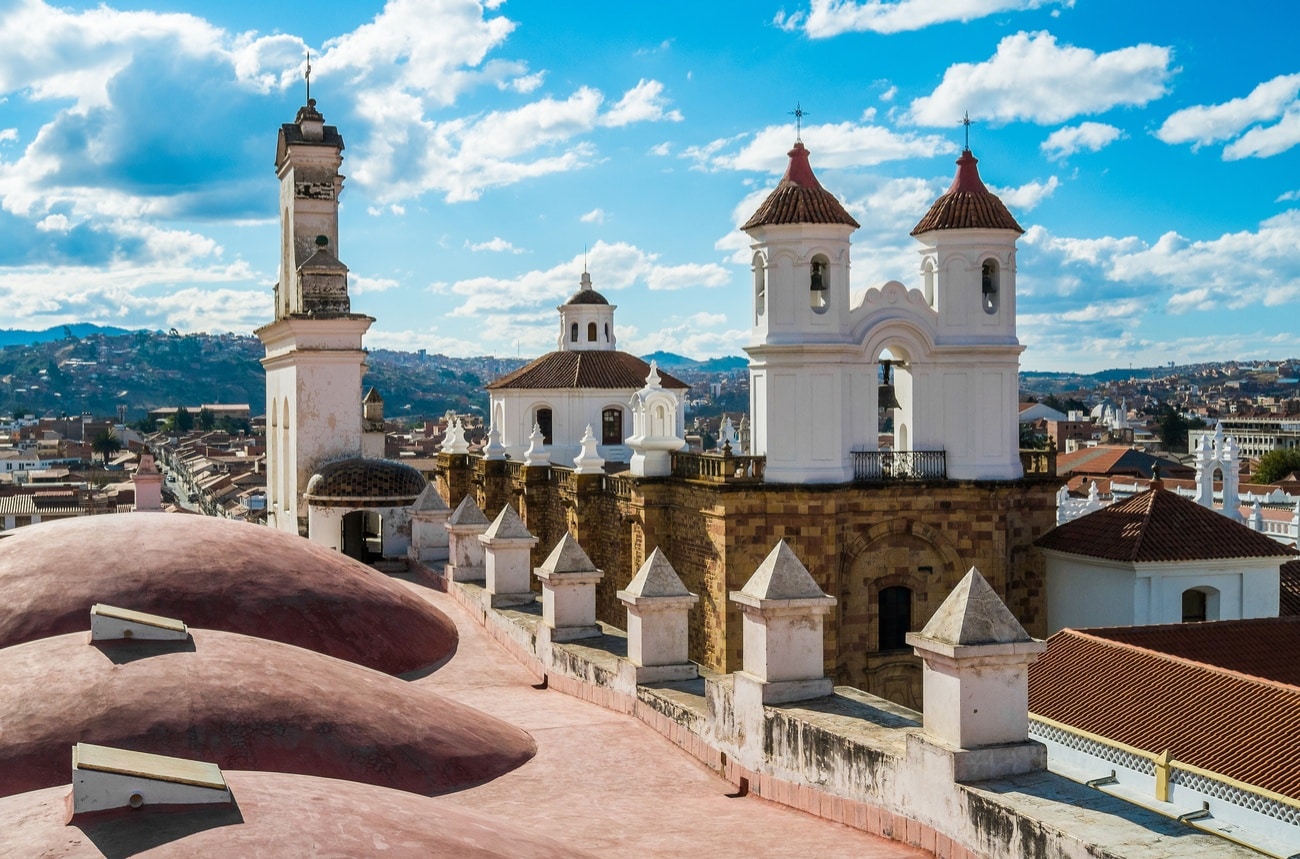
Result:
[
  {"x": 799, "y": 198},
  {"x": 967, "y": 204}
]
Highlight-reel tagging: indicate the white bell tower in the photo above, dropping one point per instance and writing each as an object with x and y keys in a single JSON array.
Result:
[
  {"x": 314, "y": 357},
  {"x": 800, "y": 350}
]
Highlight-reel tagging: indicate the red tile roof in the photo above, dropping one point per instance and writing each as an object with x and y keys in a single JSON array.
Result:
[
  {"x": 584, "y": 369},
  {"x": 1289, "y": 596},
  {"x": 1118, "y": 459},
  {"x": 1243, "y": 727},
  {"x": 1158, "y": 525},
  {"x": 967, "y": 204},
  {"x": 1264, "y": 647},
  {"x": 799, "y": 198}
]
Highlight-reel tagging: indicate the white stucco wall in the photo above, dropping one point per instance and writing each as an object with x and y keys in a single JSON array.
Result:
[{"x": 572, "y": 410}]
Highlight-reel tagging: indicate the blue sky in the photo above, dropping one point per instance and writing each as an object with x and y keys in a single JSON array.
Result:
[{"x": 1149, "y": 149}]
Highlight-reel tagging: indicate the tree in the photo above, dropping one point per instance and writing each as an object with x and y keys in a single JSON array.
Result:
[
  {"x": 1174, "y": 427},
  {"x": 207, "y": 420},
  {"x": 1276, "y": 464},
  {"x": 105, "y": 443},
  {"x": 182, "y": 421}
]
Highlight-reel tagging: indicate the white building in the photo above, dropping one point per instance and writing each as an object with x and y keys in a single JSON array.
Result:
[
  {"x": 1158, "y": 558},
  {"x": 585, "y": 382},
  {"x": 814, "y": 361}
]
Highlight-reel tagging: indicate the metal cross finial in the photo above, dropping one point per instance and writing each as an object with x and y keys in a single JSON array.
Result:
[
  {"x": 307, "y": 75},
  {"x": 965, "y": 120},
  {"x": 798, "y": 113}
]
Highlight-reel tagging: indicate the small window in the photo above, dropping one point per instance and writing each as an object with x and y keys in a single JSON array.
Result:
[
  {"x": 927, "y": 281},
  {"x": 895, "y": 617},
  {"x": 1194, "y": 606},
  {"x": 989, "y": 285},
  {"x": 591, "y": 332},
  {"x": 573, "y": 333},
  {"x": 544, "y": 424},
  {"x": 611, "y": 426},
  {"x": 760, "y": 286}
]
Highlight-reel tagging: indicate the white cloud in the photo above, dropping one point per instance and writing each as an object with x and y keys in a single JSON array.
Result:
[
  {"x": 699, "y": 336},
  {"x": 1086, "y": 136},
  {"x": 614, "y": 266},
  {"x": 496, "y": 244},
  {"x": 8, "y": 135},
  {"x": 826, "y": 18},
  {"x": 1205, "y": 124},
  {"x": 1030, "y": 77},
  {"x": 1264, "y": 142},
  {"x": 1288, "y": 196},
  {"x": 661, "y": 149},
  {"x": 843, "y": 144},
  {"x": 358, "y": 285},
  {"x": 57, "y": 223},
  {"x": 595, "y": 216},
  {"x": 643, "y": 103},
  {"x": 1027, "y": 196}
]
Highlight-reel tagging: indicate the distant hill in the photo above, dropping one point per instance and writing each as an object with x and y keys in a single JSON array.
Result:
[
  {"x": 673, "y": 362},
  {"x": 22, "y": 337}
]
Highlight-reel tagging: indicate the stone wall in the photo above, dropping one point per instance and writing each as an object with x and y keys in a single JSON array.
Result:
[{"x": 854, "y": 539}]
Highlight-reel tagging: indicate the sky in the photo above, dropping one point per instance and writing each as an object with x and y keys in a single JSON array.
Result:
[{"x": 1151, "y": 151}]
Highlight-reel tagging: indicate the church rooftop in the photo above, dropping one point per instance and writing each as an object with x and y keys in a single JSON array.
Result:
[
  {"x": 583, "y": 369},
  {"x": 799, "y": 198},
  {"x": 967, "y": 204}
]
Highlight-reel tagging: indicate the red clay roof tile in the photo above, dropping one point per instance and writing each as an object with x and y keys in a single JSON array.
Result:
[
  {"x": 1158, "y": 525},
  {"x": 967, "y": 204},
  {"x": 1227, "y": 722},
  {"x": 584, "y": 369},
  {"x": 799, "y": 198}
]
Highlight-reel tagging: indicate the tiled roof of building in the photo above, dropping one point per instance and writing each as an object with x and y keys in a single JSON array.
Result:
[
  {"x": 799, "y": 198},
  {"x": 1263, "y": 647},
  {"x": 1289, "y": 598},
  {"x": 584, "y": 369},
  {"x": 1229, "y": 723},
  {"x": 1117, "y": 459},
  {"x": 967, "y": 204},
  {"x": 1158, "y": 525}
]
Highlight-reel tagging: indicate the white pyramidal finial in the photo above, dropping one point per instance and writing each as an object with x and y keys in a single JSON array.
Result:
[
  {"x": 455, "y": 441},
  {"x": 494, "y": 448},
  {"x": 653, "y": 380},
  {"x": 538, "y": 453},
  {"x": 588, "y": 461}
]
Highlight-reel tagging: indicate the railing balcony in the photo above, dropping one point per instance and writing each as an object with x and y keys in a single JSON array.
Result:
[
  {"x": 1039, "y": 462},
  {"x": 881, "y": 466},
  {"x": 719, "y": 467}
]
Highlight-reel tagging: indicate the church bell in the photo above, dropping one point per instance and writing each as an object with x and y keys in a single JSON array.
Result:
[
  {"x": 817, "y": 283},
  {"x": 886, "y": 399}
]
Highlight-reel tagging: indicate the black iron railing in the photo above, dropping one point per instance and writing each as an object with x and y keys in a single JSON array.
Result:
[{"x": 879, "y": 466}]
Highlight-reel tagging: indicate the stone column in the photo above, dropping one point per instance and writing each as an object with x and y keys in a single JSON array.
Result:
[
  {"x": 976, "y": 683},
  {"x": 783, "y": 654},
  {"x": 464, "y": 551},
  {"x": 569, "y": 581},
  {"x": 507, "y": 546},
  {"x": 658, "y": 610}
]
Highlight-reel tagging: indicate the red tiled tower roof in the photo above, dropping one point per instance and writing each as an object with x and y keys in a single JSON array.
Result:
[
  {"x": 799, "y": 198},
  {"x": 585, "y": 369},
  {"x": 967, "y": 204},
  {"x": 1221, "y": 720},
  {"x": 1158, "y": 525}
]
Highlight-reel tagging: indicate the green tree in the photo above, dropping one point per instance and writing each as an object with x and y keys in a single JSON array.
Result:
[
  {"x": 182, "y": 421},
  {"x": 1174, "y": 427},
  {"x": 207, "y": 420},
  {"x": 105, "y": 443},
  {"x": 1276, "y": 464}
]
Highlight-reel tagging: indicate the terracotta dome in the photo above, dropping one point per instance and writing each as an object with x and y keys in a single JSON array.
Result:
[
  {"x": 214, "y": 574},
  {"x": 242, "y": 703},
  {"x": 587, "y": 296},
  {"x": 274, "y": 815},
  {"x": 365, "y": 481}
]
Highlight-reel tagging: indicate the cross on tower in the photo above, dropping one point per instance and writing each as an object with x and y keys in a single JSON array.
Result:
[
  {"x": 965, "y": 120},
  {"x": 307, "y": 75},
  {"x": 798, "y": 113}
]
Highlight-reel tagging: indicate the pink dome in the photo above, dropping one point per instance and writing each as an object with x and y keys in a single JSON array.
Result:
[
  {"x": 242, "y": 703},
  {"x": 214, "y": 574},
  {"x": 276, "y": 816}
]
